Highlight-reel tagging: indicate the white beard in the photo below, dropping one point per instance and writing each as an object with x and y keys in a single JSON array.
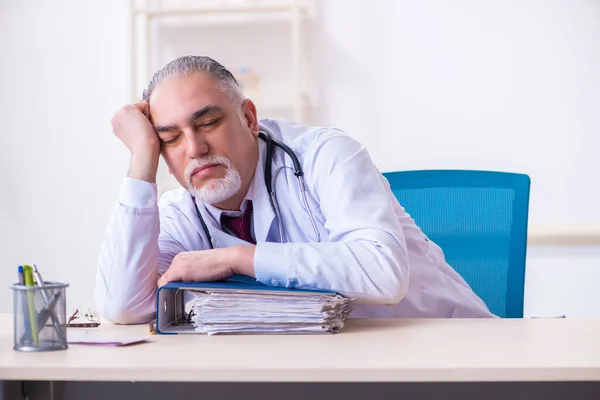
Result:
[{"x": 216, "y": 191}]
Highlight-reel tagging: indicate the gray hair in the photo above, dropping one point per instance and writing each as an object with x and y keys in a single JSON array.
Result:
[{"x": 185, "y": 66}]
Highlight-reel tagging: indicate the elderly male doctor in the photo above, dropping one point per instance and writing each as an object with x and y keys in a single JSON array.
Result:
[{"x": 340, "y": 229}]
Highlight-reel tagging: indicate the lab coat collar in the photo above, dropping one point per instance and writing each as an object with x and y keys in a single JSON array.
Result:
[{"x": 263, "y": 214}]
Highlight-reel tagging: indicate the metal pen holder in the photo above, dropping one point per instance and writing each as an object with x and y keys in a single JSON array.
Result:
[{"x": 40, "y": 317}]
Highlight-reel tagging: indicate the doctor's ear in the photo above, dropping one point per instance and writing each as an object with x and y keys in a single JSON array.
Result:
[{"x": 249, "y": 116}]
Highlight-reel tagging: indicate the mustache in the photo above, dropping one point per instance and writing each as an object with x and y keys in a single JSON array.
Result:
[{"x": 203, "y": 161}]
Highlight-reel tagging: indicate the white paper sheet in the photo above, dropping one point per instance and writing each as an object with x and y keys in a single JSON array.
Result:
[
  {"x": 258, "y": 311},
  {"x": 91, "y": 339}
]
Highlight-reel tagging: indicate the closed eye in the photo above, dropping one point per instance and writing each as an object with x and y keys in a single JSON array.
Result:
[
  {"x": 170, "y": 141},
  {"x": 208, "y": 123}
]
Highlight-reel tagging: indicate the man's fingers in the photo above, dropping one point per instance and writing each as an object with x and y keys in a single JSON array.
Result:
[
  {"x": 143, "y": 107},
  {"x": 162, "y": 280},
  {"x": 196, "y": 266},
  {"x": 165, "y": 278},
  {"x": 175, "y": 271}
]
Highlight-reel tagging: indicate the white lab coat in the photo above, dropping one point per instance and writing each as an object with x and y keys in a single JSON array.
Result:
[{"x": 371, "y": 249}]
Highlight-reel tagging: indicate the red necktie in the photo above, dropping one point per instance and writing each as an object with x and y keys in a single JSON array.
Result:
[{"x": 240, "y": 225}]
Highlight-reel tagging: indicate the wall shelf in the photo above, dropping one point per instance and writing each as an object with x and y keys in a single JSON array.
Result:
[
  {"x": 189, "y": 11},
  {"x": 291, "y": 12},
  {"x": 573, "y": 236}
]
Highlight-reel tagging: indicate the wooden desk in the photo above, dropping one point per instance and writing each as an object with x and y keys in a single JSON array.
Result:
[{"x": 393, "y": 350}]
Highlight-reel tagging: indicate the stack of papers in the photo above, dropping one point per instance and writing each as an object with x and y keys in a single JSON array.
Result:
[{"x": 266, "y": 311}]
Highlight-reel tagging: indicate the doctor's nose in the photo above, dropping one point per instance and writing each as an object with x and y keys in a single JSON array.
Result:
[{"x": 195, "y": 147}]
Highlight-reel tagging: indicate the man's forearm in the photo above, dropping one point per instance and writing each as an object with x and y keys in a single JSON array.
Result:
[
  {"x": 127, "y": 267},
  {"x": 242, "y": 261},
  {"x": 144, "y": 166},
  {"x": 370, "y": 271}
]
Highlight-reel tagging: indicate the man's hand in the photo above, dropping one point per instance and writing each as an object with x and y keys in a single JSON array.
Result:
[
  {"x": 210, "y": 265},
  {"x": 132, "y": 125}
]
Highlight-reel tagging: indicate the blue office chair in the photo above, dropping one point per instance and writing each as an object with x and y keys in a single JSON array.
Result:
[{"x": 479, "y": 219}]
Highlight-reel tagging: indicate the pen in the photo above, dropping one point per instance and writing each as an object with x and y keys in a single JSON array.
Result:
[
  {"x": 28, "y": 274},
  {"x": 25, "y": 311},
  {"x": 47, "y": 311},
  {"x": 20, "y": 273},
  {"x": 47, "y": 301}
]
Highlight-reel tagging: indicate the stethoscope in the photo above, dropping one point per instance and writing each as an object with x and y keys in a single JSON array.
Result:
[{"x": 298, "y": 172}]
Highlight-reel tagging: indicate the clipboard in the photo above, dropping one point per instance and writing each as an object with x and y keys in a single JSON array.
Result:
[{"x": 171, "y": 317}]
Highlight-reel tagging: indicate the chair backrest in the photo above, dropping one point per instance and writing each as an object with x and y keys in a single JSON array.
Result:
[{"x": 479, "y": 219}]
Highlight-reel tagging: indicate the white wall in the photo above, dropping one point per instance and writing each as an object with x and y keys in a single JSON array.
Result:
[
  {"x": 468, "y": 84},
  {"x": 562, "y": 281},
  {"x": 63, "y": 72},
  {"x": 500, "y": 85}
]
